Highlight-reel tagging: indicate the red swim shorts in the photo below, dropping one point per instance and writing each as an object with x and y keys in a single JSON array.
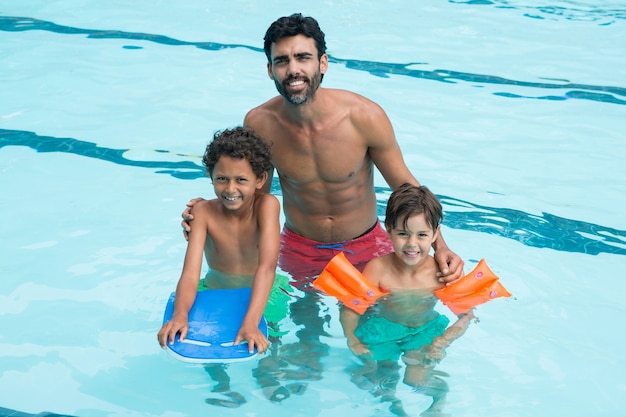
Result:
[{"x": 304, "y": 259}]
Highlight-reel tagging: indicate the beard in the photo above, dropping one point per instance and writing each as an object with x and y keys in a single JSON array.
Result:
[{"x": 312, "y": 83}]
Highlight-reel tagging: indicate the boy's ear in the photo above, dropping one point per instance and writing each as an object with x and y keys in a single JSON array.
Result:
[
  {"x": 260, "y": 181},
  {"x": 436, "y": 234}
]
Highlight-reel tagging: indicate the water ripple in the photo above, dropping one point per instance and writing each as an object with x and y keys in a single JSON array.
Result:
[
  {"x": 605, "y": 94},
  {"x": 544, "y": 231},
  {"x": 576, "y": 11}
]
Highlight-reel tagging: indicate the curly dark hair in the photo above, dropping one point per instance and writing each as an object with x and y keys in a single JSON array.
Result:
[
  {"x": 240, "y": 143},
  {"x": 293, "y": 25},
  {"x": 408, "y": 200}
]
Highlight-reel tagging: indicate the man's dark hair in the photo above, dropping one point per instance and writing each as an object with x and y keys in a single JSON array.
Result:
[{"x": 293, "y": 25}]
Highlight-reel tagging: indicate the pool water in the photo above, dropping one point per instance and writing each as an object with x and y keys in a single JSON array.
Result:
[{"x": 511, "y": 112}]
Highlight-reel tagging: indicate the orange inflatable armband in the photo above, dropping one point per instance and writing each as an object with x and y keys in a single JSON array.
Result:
[
  {"x": 477, "y": 287},
  {"x": 346, "y": 283}
]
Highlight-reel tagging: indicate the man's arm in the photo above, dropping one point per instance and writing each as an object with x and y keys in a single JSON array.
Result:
[
  {"x": 450, "y": 264},
  {"x": 256, "y": 120},
  {"x": 188, "y": 217},
  {"x": 385, "y": 152},
  {"x": 383, "y": 147}
]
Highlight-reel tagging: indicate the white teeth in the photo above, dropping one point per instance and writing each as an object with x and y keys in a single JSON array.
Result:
[{"x": 294, "y": 83}]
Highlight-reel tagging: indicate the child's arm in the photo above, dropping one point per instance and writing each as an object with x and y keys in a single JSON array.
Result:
[
  {"x": 349, "y": 320},
  {"x": 269, "y": 244},
  {"x": 188, "y": 283},
  {"x": 435, "y": 352}
]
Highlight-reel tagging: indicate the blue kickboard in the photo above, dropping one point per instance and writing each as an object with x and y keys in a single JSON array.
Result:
[{"x": 214, "y": 320}]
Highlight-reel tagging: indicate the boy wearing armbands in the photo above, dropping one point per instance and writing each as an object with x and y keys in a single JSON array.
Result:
[{"x": 404, "y": 322}]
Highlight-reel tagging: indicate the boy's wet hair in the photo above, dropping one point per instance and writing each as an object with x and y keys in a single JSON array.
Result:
[
  {"x": 293, "y": 25},
  {"x": 408, "y": 200},
  {"x": 239, "y": 143}
]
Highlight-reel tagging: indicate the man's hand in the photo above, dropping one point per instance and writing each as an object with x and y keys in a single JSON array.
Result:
[
  {"x": 450, "y": 265},
  {"x": 188, "y": 217}
]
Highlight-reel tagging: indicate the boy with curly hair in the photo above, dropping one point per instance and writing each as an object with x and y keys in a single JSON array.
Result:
[{"x": 238, "y": 232}]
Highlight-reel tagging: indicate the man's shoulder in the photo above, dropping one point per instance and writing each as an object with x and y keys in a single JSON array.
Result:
[
  {"x": 263, "y": 113},
  {"x": 271, "y": 105},
  {"x": 361, "y": 109},
  {"x": 348, "y": 96}
]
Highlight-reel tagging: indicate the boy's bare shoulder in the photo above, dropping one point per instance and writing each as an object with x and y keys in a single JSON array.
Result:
[
  {"x": 380, "y": 261},
  {"x": 377, "y": 268},
  {"x": 266, "y": 198},
  {"x": 267, "y": 204},
  {"x": 205, "y": 208}
]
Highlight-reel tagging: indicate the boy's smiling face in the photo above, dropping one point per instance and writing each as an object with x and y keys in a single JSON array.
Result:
[
  {"x": 234, "y": 182},
  {"x": 412, "y": 243}
]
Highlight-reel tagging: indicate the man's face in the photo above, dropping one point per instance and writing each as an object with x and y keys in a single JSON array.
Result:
[{"x": 295, "y": 68}]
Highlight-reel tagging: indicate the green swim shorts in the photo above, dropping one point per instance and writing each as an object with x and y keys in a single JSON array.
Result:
[
  {"x": 276, "y": 308},
  {"x": 387, "y": 340}
]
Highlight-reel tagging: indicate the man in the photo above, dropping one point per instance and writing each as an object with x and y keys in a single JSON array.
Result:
[{"x": 325, "y": 144}]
